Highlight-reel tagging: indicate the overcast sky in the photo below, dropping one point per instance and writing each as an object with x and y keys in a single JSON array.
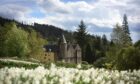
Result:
[{"x": 100, "y": 16}]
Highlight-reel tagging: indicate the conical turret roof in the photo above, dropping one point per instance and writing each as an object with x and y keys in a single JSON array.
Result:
[{"x": 63, "y": 39}]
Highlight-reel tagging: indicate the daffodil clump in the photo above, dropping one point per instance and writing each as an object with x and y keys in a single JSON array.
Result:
[{"x": 62, "y": 75}]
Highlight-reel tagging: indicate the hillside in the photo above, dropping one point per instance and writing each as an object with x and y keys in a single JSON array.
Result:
[{"x": 49, "y": 32}]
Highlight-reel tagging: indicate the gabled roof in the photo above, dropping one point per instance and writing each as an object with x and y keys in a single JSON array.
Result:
[
  {"x": 70, "y": 46},
  {"x": 74, "y": 46},
  {"x": 77, "y": 47}
]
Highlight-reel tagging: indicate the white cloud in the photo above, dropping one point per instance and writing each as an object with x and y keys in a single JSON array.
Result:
[
  {"x": 54, "y": 6},
  {"x": 12, "y": 11},
  {"x": 67, "y": 15},
  {"x": 135, "y": 36},
  {"x": 99, "y": 13}
]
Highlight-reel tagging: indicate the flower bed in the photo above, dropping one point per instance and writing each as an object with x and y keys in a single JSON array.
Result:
[{"x": 62, "y": 75}]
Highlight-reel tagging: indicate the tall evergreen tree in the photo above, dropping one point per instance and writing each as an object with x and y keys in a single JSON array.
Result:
[
  {"x": 125, "y": 24},
  {"x": 127, "y": 38},
  {"x": 81, "y": 37},
  {"x": 121, "y": 34}
]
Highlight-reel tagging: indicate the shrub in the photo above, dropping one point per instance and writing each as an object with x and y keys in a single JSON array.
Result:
[
  {"x": 137, "y": 44},
  {"x": 100, "y": 62},
  {"x": 128, "y": 58}
]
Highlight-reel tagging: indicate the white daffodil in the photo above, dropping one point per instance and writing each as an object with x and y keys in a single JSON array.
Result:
[{"x": 62, "y": 75}]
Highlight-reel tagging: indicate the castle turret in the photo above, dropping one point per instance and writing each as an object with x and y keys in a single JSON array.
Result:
[
  {"x": 63, "y": 47},
  {"x": 63, "y": 39}
]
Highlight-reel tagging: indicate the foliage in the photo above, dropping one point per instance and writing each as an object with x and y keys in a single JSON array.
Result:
[
  {"x": 49, "y": 32},
  {"x": 111, "y": 54},
  {"x": 117, "y": 35},
  {"x": 89, "y": 54},
  {"x": 36, "y": 43},
  {"x": 80, "y": 37},
  {"x": 121, "y": 54},
  {"x": 105, "y": 44},
  {"x": 127, "y": 39},
  {"x": 29, "y": 64},
  {"x": 121, "y": 34},
  {"x": 67, "y": 65},
  {"x": 17, "y": 63},
  {"x": 81, "y": 34},
  {"x": 18, "y": 42},
  {"x": 137, "y": 44},
  {"x": 15, "y": 41},
  {"x": 100, "y": 63},
  {"x": 93, "y": 47},
  {"x": 128, "y": 58}
]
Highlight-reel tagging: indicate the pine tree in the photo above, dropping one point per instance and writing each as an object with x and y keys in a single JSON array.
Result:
[
  {"x": 127, "y": 39},
  {"x": 121, "y": 34},
  {"x": 81, "y": 34},
  {"x": 125, "y": 24},
  {"x": 81, "y": 37}
]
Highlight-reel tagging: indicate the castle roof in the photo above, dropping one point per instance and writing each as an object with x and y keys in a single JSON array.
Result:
[
  {"x": 53, "y": 48},
  {"x": 74, "y": 46},
  {"x": 63, "y": 39}
]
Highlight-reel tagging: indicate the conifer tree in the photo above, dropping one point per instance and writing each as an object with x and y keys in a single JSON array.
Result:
[
  {"x": 126, "y": 36},
  {"x": 121, "y": 34},
  {"x": 125, "y": 24},
  {"x": 81, "y": 37}
]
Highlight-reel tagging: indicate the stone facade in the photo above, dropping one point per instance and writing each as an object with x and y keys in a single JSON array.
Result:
[
  {"x": 48, "y": 57},
  {"x": 67, "y": 52}
]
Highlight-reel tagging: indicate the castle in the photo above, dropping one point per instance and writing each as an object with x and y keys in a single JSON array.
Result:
[{"x": 63, "y": 51}]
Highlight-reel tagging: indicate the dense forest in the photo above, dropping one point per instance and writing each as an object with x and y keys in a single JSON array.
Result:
[
  {"x": 22, "y": 40},
  {"x": 49, "y": 32}
]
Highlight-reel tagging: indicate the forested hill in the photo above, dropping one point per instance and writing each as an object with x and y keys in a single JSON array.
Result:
[{"x": 50, "y": 32}]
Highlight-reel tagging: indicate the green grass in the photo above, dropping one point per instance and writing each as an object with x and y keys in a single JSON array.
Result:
[{"x": 36, "y": 64}]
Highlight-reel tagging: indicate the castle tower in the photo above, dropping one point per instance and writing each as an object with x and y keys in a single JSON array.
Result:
[
  {"x": 78, "y": 54},
  {"x": 63, "y": 48}
]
